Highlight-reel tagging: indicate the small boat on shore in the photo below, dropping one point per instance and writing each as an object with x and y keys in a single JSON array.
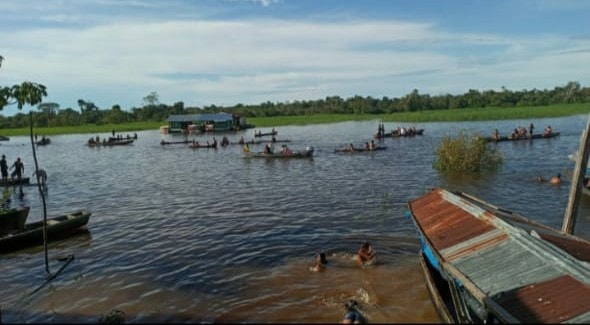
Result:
[
  {"x": 32, "y": 234},
  {"x": 485, "y": 264}
]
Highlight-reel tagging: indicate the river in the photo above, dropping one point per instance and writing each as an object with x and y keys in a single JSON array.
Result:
[{"x": 206, "y": 235}]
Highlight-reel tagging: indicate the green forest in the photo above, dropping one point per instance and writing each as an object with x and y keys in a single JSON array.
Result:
[{"x": 52, "y": 115}]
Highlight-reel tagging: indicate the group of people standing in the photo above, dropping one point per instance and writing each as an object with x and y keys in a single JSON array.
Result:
[
  {"x": 18, "y": 166},
  {"x": 18, "y": 171}
]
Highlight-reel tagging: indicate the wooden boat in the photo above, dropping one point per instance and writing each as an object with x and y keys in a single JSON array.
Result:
[
  {"x": 32, "y": 234},
  {"x": 360, "y": 149},
  {"x": 261, "y": 134},
  {"x": 110, "y": 143},
  {"x": 397, "y": 134},
  {"x": 13, "y": 220},
  {"x": 43, "y": 142},
  {"x": 16, "y": 181},
  {"x": 258, "y": 142},
  {"x": 118, "y": 142},
  {"x": 4, "y": 138},
  {"x": 486, "y": 264},
  {"x": 307, "y": 153},
  {"x": 201, "y": 145},
  {"x": 534, "y": 137},
  {"x": 163, "y": 142}
]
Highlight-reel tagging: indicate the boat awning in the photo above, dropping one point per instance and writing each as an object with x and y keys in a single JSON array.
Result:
[{"x": 528, "y": 271}]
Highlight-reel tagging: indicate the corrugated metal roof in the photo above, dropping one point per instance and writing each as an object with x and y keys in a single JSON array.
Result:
[
  {"x": 182, "y": 118},
  {"x": 503, "y": 260}
]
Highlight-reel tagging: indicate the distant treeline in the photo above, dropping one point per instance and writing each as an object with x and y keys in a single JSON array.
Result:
[{"x": 50, "y": 114}]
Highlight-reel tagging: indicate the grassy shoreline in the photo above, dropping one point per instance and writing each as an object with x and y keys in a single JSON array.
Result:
[{"x": 455, "y": 115}]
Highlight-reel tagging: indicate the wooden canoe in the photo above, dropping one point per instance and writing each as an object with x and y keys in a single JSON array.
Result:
[
  {"x": 163, "y": 142},
  {"x": 308, "y": 153},
  {"x": 119, "y": 142},
  {"x": 43, "y": 142},
  {"x": 396, "y": 134},
  {"x": 198, "y": 146},
  {"x": 262, "y": 134},
  {"x": 32, "y": 234},
  {"x": 534, "y": 137},
  {"x": 15, "y": 181},
  {"x": 360, "y": 149}
]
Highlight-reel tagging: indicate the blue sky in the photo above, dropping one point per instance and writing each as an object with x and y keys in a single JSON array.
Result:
[{"x": 225, "y": 52}]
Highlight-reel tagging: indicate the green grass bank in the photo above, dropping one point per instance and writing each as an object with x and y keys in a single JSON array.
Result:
[{"x": 454, "y": 115}]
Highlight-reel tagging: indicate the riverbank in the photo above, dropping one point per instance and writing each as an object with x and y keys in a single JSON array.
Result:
[{"x": 459, "y": 115}]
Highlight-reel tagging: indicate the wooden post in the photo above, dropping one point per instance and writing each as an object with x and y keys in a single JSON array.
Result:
[{"x": 569, "y": 219}]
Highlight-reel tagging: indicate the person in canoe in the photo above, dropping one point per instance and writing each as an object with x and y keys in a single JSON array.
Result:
[
  {"x": 548, "y": 130},
  {"x": 351, "y": 147},
  {"x": 268, "y": 149},
  {"x": 495, "y": 134}
]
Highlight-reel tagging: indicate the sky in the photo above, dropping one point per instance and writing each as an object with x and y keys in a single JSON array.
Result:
[{"x": 228, "y": 52}]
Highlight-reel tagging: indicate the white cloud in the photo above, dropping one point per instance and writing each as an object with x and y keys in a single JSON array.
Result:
[{"x": 252, "y": 61}]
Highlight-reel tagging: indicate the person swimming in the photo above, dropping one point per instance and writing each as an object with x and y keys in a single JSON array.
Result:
[
  {"x": 555, "y": 179},
  {"x": 366, "y": 255},
  {"x": 320, "y": 264},
  {"x": 352, "y": 314}
]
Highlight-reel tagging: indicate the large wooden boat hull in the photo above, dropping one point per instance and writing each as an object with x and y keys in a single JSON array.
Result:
[
  {"x": 534, "y": 137},
  {"x": 486, "y": 264},
  {"x": 13, "y": 220},
  {"x": 32, "y": 234}
]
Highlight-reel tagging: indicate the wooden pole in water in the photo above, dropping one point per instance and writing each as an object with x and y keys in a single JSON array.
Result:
[{"x": 569, "y": 219}]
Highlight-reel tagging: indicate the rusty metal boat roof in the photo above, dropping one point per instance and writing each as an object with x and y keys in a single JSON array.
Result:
[{"x": 521, "y": 269}]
